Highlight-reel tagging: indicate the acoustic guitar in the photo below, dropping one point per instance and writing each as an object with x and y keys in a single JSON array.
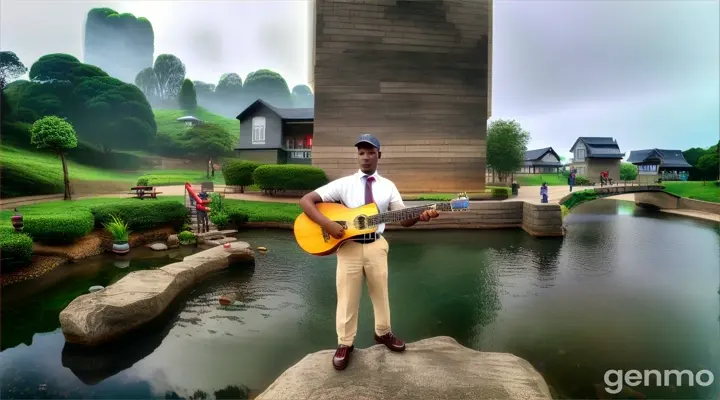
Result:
[{"x": 315, "y": 240}]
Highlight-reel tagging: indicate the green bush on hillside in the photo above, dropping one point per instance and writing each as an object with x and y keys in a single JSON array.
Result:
[
  {"x": 273, "y": 178},
  {"x": 239, "y": 172},
  {"x": 143, "y": 214},
  {"x": 59, "y": 228},
  {"x": 15, "y": 249}
]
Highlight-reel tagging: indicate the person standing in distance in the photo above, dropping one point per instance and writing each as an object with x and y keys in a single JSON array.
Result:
[{"x": 363, "y": 255}]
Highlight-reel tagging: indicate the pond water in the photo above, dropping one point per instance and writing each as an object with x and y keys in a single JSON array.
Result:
[{"x": 626, "y": 289}]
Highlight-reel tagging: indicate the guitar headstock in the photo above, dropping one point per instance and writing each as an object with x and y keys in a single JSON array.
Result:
[{"x": 460, "y": 203}]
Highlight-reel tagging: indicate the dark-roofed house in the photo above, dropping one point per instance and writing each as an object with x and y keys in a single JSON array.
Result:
[
  {"x": 593, "y": 155},
  {"x": 541, "y": 161},
  {"x": 276, "y": 135},
  {"x": 668, "y": 165}
]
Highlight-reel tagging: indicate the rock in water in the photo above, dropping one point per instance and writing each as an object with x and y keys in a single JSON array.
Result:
[
  {"x": 434, "y": 368},
  {"x": 228, "y": 299},
  {"x": 173, "y": 241},
  {"x": 140, "y": 296},
  {"x": 95, "y": 288},
  {"x": 158, "y": 246}
]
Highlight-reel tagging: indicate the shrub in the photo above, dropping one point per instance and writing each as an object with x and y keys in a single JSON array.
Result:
[
  {"x": 579, "y": 197},
  {"x": 581, "y": 181},
  {"x": 187, "y": 237},
  {"x": 142, "y": 182},
  {"x": 143, "y": 214},
  {"x": 15, "y": 249},
  {"x": 236, "y": 216},
  {"x": 219, "y": 218},
  {"x": 59, "y": 228},
  {"x": 500, "y": 192},
  {"x": 239, "y": 173},
  {"x": 273, "y": 178}
]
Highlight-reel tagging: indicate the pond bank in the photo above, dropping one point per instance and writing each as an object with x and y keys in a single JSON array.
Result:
[{"x": 46, "y": 258}]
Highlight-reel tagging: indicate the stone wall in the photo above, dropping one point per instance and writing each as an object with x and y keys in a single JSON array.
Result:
[
  {"x": 658, "y": 199},
  {"x": 486, "y": 215},
  {"x": 698, "y": 205},
  {"x": 542, "y": 219},
  {"x": 413, "y": 73}
]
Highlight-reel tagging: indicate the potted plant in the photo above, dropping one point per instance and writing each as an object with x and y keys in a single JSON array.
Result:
[{"x": 120, "y": 232}]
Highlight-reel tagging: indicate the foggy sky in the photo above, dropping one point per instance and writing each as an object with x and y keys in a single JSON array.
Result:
[{"x": 644, "y": 72}]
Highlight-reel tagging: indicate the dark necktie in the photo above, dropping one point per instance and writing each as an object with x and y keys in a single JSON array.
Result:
[{"x": 368, "y": 190}]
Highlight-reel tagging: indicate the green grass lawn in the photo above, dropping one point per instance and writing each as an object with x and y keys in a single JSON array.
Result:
[
  {"x": 27, "y": 170},
  {"x": 694, "y": 190},
  {"x": 537, "y": 180},
  {"x": 49, "y": 166},
  {"x": 166, "y": 120}
]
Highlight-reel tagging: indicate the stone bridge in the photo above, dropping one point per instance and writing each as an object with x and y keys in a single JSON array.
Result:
[{"x": 608, "y": 191}]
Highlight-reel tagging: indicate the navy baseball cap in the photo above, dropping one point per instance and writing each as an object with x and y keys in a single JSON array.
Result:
[{"x": 370, "y": 139}]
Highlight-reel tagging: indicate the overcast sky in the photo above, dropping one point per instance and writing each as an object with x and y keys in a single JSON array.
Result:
[{"x": 644, "y": 72}]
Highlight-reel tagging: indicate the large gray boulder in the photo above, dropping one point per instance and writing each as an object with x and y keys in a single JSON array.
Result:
[
  {"x": 141, "y": 296},
  {"x": 435, "y": 368}
]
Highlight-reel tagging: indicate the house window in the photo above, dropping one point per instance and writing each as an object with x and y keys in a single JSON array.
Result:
[
  {"x": 580, "y": 154},
  {"x": 289, "y": 143},
  {"x": 258, "y": 130}
]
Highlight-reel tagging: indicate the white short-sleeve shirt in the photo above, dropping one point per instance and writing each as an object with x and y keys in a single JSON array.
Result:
[{"x": 350, "y": 191}]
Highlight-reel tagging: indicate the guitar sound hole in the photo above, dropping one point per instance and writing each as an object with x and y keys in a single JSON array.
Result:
[{"x": 361, "y": 222}]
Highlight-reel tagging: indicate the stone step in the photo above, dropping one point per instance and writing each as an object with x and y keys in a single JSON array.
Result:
[
  {"x": 222, "y": 241},
  {"x": 210, "y": 235},
  {"x": 229, "y": 232}
]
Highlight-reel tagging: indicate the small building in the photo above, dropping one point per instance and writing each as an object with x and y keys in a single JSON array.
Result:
[
  {"x": 276, "y": 135},
  {"x": 593, "y": 155},
  {"x": 654, "y": 164},
  {"x": 541, "y": 161}
]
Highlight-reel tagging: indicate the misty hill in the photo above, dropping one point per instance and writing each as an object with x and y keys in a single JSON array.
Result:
[
  {"x": 120, "y": 44},
  {"x": 166, "y": 120}
]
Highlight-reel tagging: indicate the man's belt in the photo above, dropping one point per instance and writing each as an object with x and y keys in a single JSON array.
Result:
[{"x": 367, "y": 238}]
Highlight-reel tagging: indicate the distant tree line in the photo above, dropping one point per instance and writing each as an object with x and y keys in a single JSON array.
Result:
[{"x": 163, "y": 82}]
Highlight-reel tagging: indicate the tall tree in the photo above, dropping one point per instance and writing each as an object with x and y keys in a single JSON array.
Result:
[
  {"x": 506, "y": 146},
  {"x": 119, "y": 43},
  {"x": 170, "y": 73},
  {"x": 302, "y": 97},
  {"x": 207, "y": 140},
  {"x": 229, "y": 87},
  {"x": 148, "y": 83},
  {"x": 10, "y": 68},
  {"x": 269, "y": 86},
  {"x": 58, "y": 135},
  {"x": 187, "y": 98}
]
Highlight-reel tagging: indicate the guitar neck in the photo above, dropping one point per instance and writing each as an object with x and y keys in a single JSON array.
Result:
[{"x": 402, "y": 215}]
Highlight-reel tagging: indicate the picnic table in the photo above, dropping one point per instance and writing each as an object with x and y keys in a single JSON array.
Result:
[{"x": 140, "y": 192}]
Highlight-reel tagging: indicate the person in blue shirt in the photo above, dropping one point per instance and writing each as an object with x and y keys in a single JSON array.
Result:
[{"x": 544, "y": 192}]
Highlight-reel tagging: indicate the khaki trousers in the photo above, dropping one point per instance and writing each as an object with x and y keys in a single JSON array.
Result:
[{"x": 355, "y": 261}]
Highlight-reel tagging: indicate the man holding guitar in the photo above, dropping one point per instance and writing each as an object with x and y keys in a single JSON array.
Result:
[{"x": 364, "y": 255}]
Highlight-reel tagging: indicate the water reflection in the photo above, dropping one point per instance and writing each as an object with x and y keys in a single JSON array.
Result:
[{"x": 613, "y": 294}]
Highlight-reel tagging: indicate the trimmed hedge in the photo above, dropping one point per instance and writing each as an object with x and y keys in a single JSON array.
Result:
[
  {"x": 62, "y": 228},
  {"x": 272, "y": 178},
  {"x": 239, "y": 173},
  {"x": 15, "y": 249},
  {"x": 500, "y": 192},
  {"x": 143, "y": 215}
]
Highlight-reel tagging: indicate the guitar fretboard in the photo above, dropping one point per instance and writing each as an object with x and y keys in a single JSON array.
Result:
[{"x": 399, "y": 215}]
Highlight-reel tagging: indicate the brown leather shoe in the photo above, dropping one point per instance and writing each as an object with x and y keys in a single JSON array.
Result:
[
  {"x": 390, "y": 341},
  {"x": 342, "y": 356}
]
